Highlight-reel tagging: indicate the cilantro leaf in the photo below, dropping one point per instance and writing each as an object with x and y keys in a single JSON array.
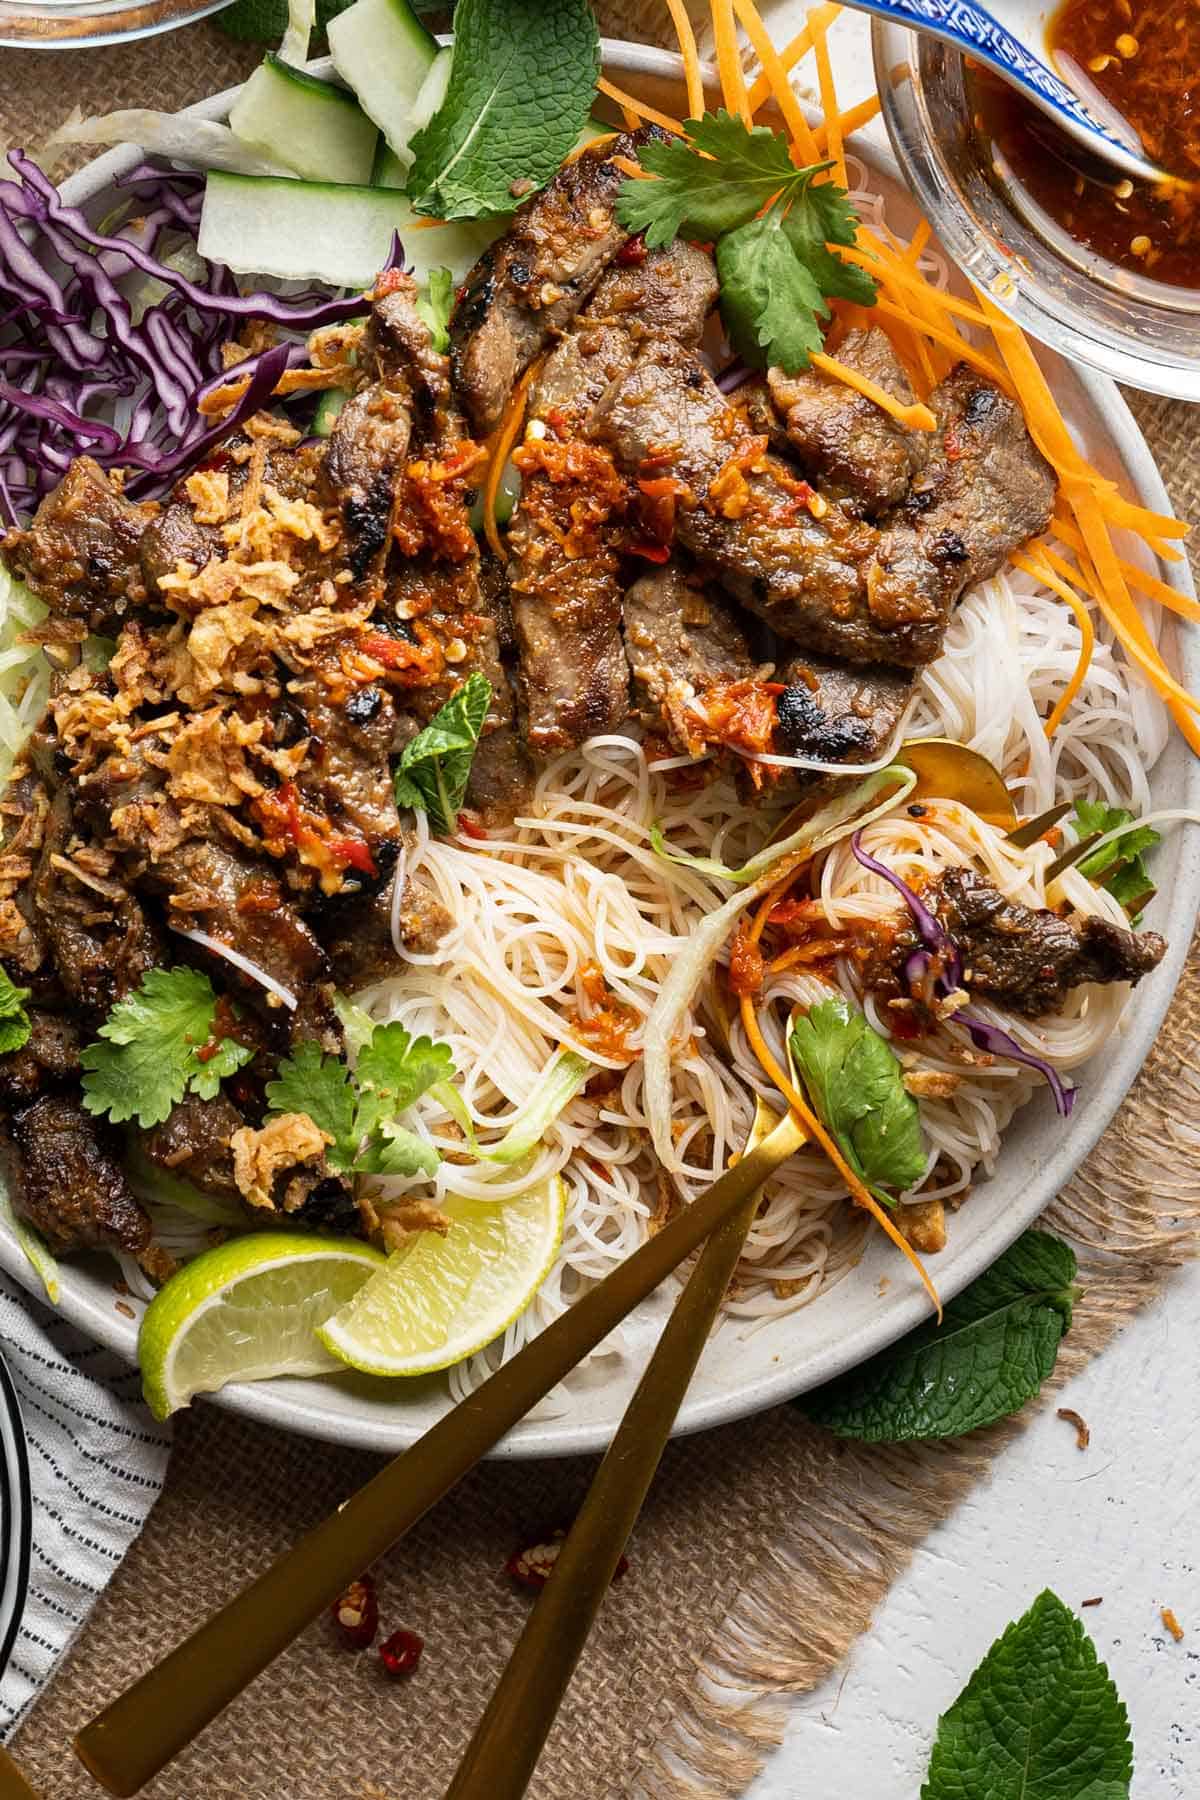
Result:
[
  {"x": 820, "y": 214},
  {"x": 996, "y": 1345},
  {"x": 359, "y": 1110},
  {"x": 311, "y": 1082},
  {"x": 395, "y": 1069},
  {"x": 702, "y": 197},
  {"x": 1040, "y": 1719},
  {"x": 521, "y": 85},
  {"x": 855, "y": 1083},
  {"x": 436, "y": 306},
  {"x": 772, "y": 224},
  {"x": 14, "y": 1020},
  {"x": 769, "y": 301},
  {"x": 151, "y": 1053},
  {"x": 398, "y": 1152},
  {"x": 435, "y": 765},
  {"x": 1120, "y": 866}
]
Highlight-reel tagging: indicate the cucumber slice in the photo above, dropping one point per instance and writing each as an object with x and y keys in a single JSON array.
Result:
[
  {"x": 381, "y": 49},
  {"x": 389, "y": 170},
  {"x": 315, "y": 230},
  {"x": 305, "y": 124},
  {"x": 433, "y": 89}
]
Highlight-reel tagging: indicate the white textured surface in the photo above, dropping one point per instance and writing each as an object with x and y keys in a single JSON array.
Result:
[{"x": 1121, "y": 1520}]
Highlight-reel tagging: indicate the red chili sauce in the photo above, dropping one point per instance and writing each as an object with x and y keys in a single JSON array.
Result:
[{"x": 1144, "y": 58}]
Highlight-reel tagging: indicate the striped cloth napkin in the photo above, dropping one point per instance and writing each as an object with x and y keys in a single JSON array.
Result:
[{"x": 96, "y": 1465}]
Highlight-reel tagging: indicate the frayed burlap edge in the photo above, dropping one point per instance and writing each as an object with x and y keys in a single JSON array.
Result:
[{"x": 1132, "y": 1214}]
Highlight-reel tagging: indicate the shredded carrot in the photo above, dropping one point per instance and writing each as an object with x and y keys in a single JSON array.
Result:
[
  {"x": 692, "y": 73},
  {"x": 641, "y": 110},
  {"x": 852, "y": 120},
  {"x": 804, "y": 144},
  {"x": 1035, "y": 563},
  {"x": 595, "y": 143},
  {"x": 627, "y": 166},
  {"x": 962, "y": 350},
  {"x": 729, "y": 60},
  {"x": 829, "y": 102},
  {"x": 917, "y": 416},
  {"x": 792, "y": 52},
  {"x": 503, "y": 439},
  {"x": 1136, "y": 577}
]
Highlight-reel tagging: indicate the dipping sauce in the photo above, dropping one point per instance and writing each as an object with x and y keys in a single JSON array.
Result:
[{"x": 1143, "y": 56}]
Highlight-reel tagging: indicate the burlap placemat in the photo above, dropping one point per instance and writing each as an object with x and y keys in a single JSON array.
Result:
[{"x": 764, "y": 1547}]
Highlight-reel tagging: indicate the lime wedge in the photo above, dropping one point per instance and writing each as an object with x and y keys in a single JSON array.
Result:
[
  {"x": 441, "y": 1298},
  {"x": 247, "y": 1311}
]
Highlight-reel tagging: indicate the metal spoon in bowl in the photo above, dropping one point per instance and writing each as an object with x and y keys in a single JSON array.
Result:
[{"x": 1009, "y": 37}]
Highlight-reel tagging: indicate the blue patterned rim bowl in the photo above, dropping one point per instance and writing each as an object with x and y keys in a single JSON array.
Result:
[
  {"x": 16, "y": 1516},
  {"x": 1138, "y": 331}
]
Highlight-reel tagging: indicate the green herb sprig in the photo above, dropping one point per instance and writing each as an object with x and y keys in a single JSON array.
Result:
[
  {"x": 521, "y": 85},
  {"x": 157, "y": 1045},
  {"x": 359, "y": 1110},
  {"x": 1119, "y": 866},
  {"x": 736, "y": 186},
  {"x": 435, "y": 765},
  {"x": 856, "y": 1084}
]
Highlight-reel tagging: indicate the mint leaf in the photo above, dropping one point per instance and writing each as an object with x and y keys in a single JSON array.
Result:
[
  {"x": 311, "y": 1082},
  {"x": 997, "y": 1343},
  {"x": 521, "y": 87},
  {"x": 14, "y": 1020},
  {"x": 855, "y": 1082},
  {"x": 769, "y": 302},
  {"x": 1118, "y": 866},
  {"x": 436, "y": 306},
  {"x": 157, "y": 1043},
  {"x": 702, "y": 197},
  {"x": 436, "y": 764},
  {"x": 1040, "y": 1719}
]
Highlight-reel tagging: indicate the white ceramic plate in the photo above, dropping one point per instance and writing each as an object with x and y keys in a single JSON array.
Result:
[{"x": 739, "y": 1373}]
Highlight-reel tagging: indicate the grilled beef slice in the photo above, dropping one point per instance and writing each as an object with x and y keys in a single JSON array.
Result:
[
  {"x": 839, "y": 712},
  {"x": 862, "y": 457},
  {"x": 1024, "y": 960},
  {"x": 69, "y": 1181},
  {"x": 49, "y": 1059},
  {"x": 80, "y": 554},
  {"x": 192, "y": 1143},
  {"x": 100, "y": 936},
  {"x": 365, "y": 461},
  {"x": 361, "y": 950},
  {"x": 680, "y": 638},
  {"x": 527, "y": 288},
  {"x": 565, "y": 546},
  {"x": 837, "y": 585}
]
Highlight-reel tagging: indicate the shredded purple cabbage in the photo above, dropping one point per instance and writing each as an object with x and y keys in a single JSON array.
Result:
[
  {"x": 730, "y": 379},
  {"x": 73, "y": 346},
  {"x": 919, "y": 967},
  {"x": 986, "y": 1036}
]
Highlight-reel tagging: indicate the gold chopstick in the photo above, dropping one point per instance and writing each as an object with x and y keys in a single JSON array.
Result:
[
  {"x": 13, "y": 1785},
  {"x": 508, "y": 1740},
  {"x": 1023, "y": 836},
  {"x": 139, "y": 1733}
]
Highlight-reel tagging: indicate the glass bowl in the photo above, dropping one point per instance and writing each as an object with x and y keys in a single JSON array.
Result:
[
  {"x": 1141, "y": 332},
  {"x": 71, "y": 24}
]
